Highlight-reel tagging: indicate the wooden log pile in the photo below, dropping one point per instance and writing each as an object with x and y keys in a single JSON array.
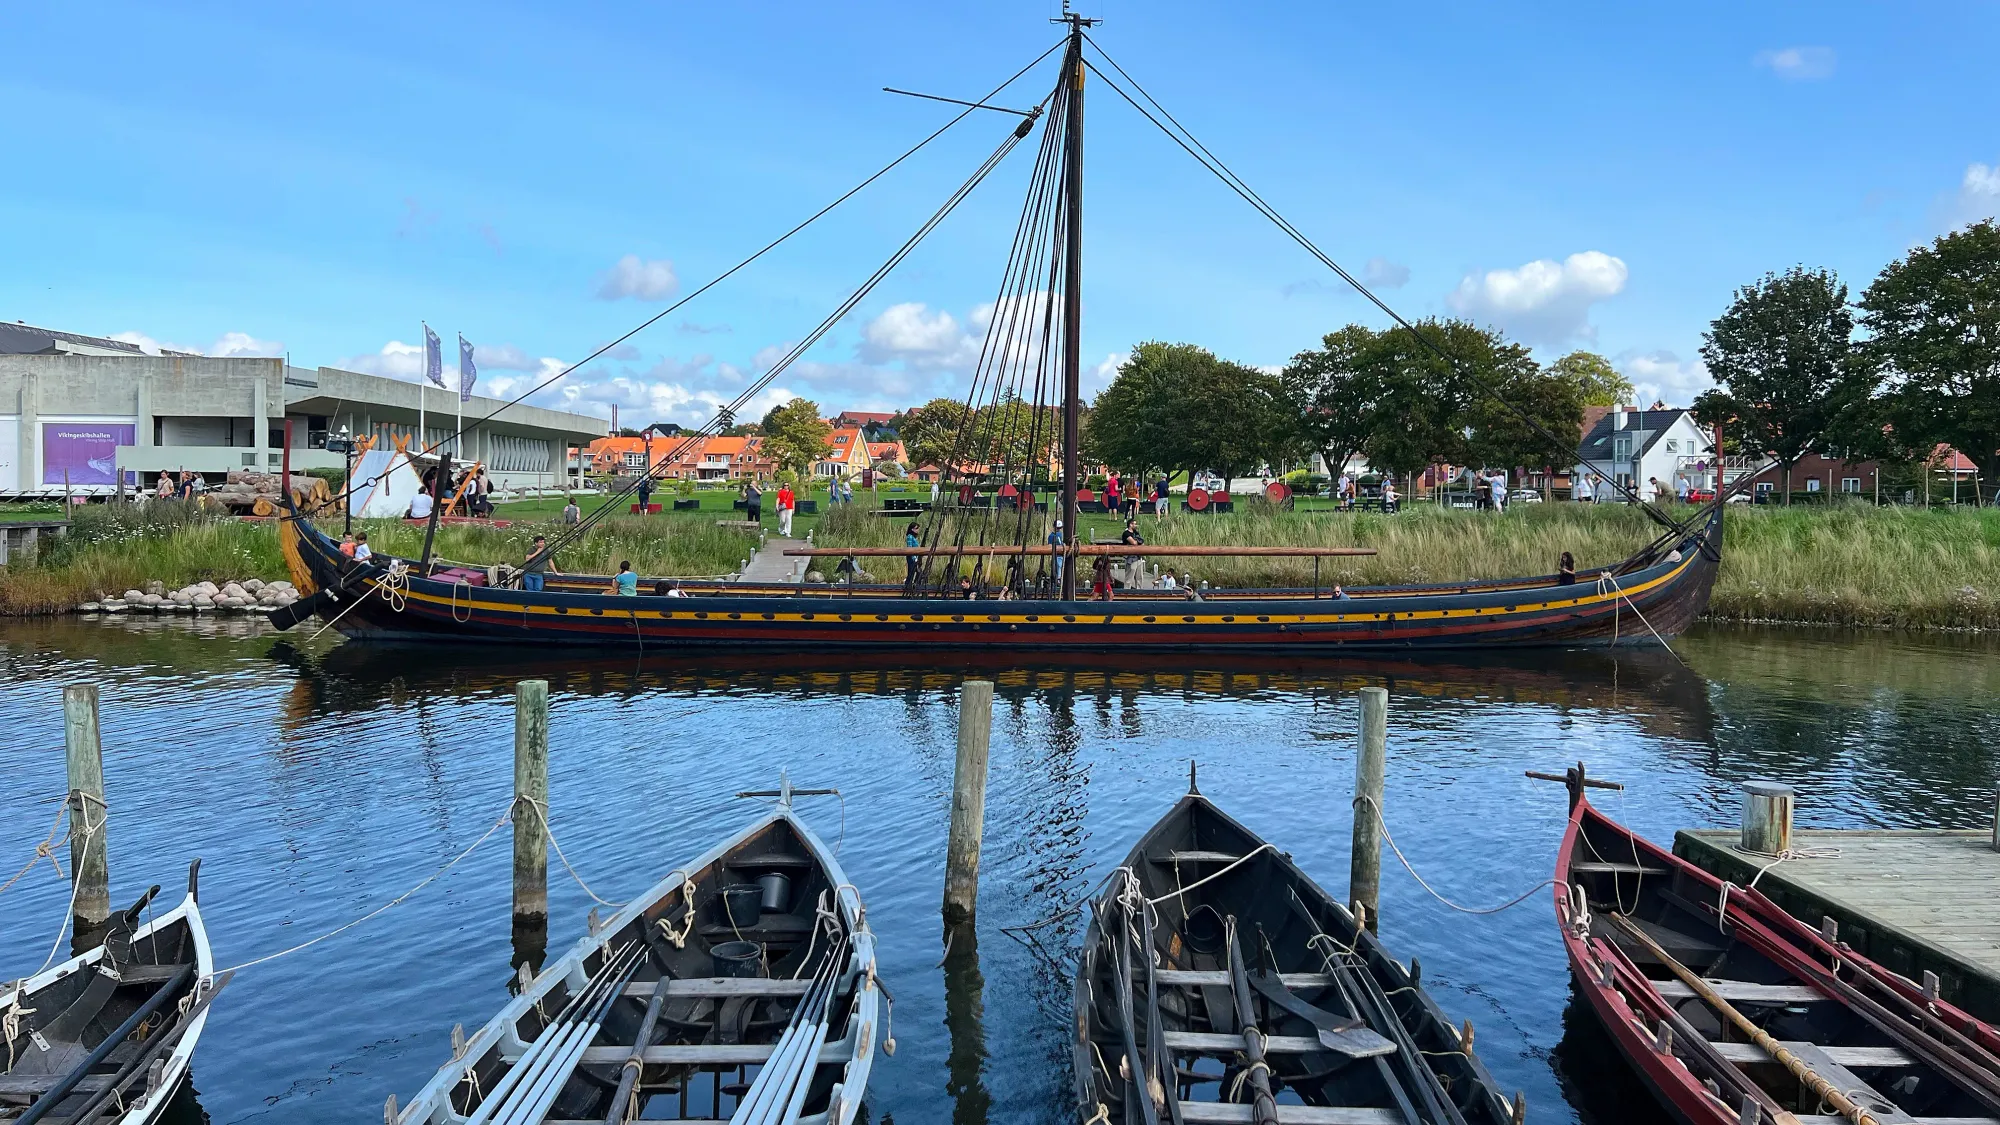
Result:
[{"x": 259, "y": 494}]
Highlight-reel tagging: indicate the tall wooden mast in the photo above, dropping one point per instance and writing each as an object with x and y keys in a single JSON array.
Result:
[{"x": 1072, "y": 286}]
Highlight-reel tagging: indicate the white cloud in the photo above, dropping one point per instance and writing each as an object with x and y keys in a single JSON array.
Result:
[
  {"x": 1106, "y": 371},
  {"x": 911, "y": 334},
  {"x": 396, "y": 360},
  {"x": 1978, "y": 195},
  {"x": 1798, "y": 64},
  {"x": 1382, "y": 273},
  {"x": 244, "y": 344},
  {"x": 231, "y": 345},
  {"x": 1662, "y": 376},
  {"x": 1543, "y": 302},
  {"x": 633, "y": 277}
]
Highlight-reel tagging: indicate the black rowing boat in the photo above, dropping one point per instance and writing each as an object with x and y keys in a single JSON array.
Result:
[{"x": 1219, "y": 983}]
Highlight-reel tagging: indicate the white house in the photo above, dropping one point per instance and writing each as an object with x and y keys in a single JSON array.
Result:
[{"x": 1635, "y": 447}]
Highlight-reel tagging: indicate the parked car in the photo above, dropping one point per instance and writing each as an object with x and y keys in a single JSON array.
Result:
[{"x": 1524, "y": 496}]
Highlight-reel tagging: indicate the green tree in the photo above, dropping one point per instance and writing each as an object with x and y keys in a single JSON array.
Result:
[
  {"x": 1423, "y": 398},
  {"x": 1596, "y": 381},
  {"x": 1784, "y": 354},
  {"x": 1933, "y": 319},
  {"x": 795, "y": 435},
  {"x": 1136, "y": 423},
  {"x": 933, "y": 433},
  {"x": 1331, "y": 395},
  {"x": 1510, "y": 429},
  {"x": 1014, "y": 433},
  {"x": 1238, "y": 421}
]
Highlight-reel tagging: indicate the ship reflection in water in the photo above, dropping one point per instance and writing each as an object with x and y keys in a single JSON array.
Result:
[{"x": 318, "y": 780}]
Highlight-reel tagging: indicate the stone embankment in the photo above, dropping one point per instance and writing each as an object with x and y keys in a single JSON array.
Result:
[{"x": 252, "y": 595}]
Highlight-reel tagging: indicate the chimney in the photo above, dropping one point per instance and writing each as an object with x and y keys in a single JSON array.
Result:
[
  {"x": 614, "y": 419},
  {"x": 1617, "y": 416}
]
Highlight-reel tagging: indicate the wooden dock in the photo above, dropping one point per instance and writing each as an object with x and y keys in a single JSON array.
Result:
[{"x": 1912, "y": 901}]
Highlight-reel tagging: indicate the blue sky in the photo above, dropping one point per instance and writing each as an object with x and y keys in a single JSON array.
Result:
[{"x": 313, "y": 180}]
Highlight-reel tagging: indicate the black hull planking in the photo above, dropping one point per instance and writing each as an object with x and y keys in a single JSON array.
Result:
[{"x": 1662, "y": 599}]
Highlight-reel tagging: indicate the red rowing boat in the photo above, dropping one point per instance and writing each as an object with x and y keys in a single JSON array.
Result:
[{"x": 1732, "y": 1011}]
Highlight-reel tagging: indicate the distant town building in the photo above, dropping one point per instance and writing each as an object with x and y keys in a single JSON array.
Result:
[
  {"x": 82, "y": 412},
  {"x": 1634, "y": 446}
]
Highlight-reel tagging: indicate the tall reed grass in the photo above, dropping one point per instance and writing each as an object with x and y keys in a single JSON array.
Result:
[
  {"x": 1832, "y": 565},
  {"x": 111, "y": 548}
]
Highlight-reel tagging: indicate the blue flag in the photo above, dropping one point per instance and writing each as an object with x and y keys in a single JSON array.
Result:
[
  {"x": 468, "y": 374},
  {"x": 433, "y": 360}
]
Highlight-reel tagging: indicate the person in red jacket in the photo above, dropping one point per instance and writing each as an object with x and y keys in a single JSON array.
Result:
[{"x": 786, "y": 503}]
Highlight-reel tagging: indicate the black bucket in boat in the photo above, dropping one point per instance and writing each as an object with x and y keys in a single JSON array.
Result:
[
  {"x": 741, "y": 903},
  {"x": 777, "y": 891},
  {"x": 736, "y": 958}
]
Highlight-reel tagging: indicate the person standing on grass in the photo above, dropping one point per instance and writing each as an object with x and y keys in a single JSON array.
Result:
[
  {"x": 645, "y": 494},
  {"x": 753, "y": 502},
  {"x": 786, "y": 502},
  {"x": 1056, "y": 550},
  {"x": 1388, "y": 496},
  {"x": 1160, "y": 494},
  {"x": 1582, "y": 492},
  {"x": 571, "y": 514},
  {"x": 912, "y": 539},
  {"x": 1498, "y": 484}
]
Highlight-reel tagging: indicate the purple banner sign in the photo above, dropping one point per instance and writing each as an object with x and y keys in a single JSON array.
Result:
[{"x": 87, "y": 451}]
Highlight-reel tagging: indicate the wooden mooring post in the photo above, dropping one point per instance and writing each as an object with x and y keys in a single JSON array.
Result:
[
  {"x": 968, "y": 800},
  {"x": 84, "y": 756},
  {"x": 1364, "y": 873},
  {"x": 531, "y": 799},
  {"x": 1767, "y": 818}
]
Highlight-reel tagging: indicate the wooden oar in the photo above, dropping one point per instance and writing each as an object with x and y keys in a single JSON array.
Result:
[
  {"x": 1264, "y": 1107},
  {"x": 556, "y": 1070},
  {"x": 506, "y": 1097},
  {"x": 797, "y": 1050},
  {"x": 1827, "y": 1091}
]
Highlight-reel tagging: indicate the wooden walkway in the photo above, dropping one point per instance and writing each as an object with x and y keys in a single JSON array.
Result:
[
  {"x": 1913, "y": 901},
  {"x": 769, "y": 564}
]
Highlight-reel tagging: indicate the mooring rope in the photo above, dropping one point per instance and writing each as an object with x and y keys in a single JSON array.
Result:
[
  {"x": 542, "y": 815},
  {"x": 397, "y": 901},
  {"x": 1383, "y": 828},
  {"x": 44, "y": 850},
  {"x": 1605, "y": 578}
]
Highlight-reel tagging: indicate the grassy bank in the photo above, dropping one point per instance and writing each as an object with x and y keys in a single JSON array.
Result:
[
  {"x": 110, "y": 549},
  {"x": 1896, "y": 567}
]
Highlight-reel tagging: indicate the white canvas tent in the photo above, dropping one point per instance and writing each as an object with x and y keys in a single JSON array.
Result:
[{"x": 383, "y": 483}]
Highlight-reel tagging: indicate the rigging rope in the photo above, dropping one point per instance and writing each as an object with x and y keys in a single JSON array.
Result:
[
  {"x": 726, "y": 274},
  {"x": 993, "y": 160},
  {"x": 1214, "y": 164}
]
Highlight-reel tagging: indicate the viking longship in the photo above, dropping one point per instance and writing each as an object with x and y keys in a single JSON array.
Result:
[{"x": 993, "y": 569}]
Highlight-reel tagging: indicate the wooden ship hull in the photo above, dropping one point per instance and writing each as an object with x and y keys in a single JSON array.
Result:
[
  {"x": 1656, "y": 961},
  {"x": 1636, "y": 607},
  {"x": 691, "y": 1001},
  {"x": 106, "y": 1036},
  {"x": 1246, "y": 962}
]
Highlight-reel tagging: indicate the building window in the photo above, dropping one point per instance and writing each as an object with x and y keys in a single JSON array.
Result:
[
  {"x": 1673, "y": 446},
  {"x": 635, "y": 460},
  {"x": 1764, "y": 486},
  {"x": 1850, "y": 484},
  {"x": 1621, "y": 448},
  {"x": 1812, "y": 484}
]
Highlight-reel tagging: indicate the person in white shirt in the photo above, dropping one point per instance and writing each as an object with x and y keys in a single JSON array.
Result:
[
  {"x": 1583, "y": 493},
  {"x": 420, "y": 506}
]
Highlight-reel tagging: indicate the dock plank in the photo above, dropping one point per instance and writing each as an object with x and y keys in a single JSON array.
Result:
[{"x": 1911, "y": 900}]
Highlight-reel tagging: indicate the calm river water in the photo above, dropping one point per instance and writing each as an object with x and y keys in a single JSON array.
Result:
[{"x": 318, "y": 780}]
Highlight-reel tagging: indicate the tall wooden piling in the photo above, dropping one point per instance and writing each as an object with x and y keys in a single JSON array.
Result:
[
  {"x": 84, "y": 755},
  {"x": 531, "y": 799},
  {"x": 968, "y": 799},
  {"x": 1364, "y": 874},
  {"x": 1767, "y": 818}
]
